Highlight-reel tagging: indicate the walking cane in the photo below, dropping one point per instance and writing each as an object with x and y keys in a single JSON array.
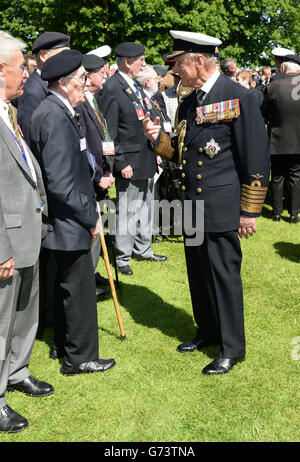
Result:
[{"x": 110, "y": 278}]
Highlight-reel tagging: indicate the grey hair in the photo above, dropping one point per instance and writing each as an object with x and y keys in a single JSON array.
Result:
[
  {"x": 210, "y": 59},
  {"x": 146, "y": 73},
  {"x": 120, "y": 61},
  {"x": 9, "y": 44},
  {"x": 292, "y": 67}
]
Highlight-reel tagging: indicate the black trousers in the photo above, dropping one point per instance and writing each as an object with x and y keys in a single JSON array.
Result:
[
  {"x": 285, "y": 171},
  {"x": 75, "y": 312},
  {"x": 216, "y": 291}
]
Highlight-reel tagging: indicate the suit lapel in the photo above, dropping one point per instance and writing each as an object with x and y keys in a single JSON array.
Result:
[
  {"x": 15, "y": 151},
  {"x": 94, "y": 118},
  {"x": 56, "y": 100},
  {"x": 127, "y": 89}
]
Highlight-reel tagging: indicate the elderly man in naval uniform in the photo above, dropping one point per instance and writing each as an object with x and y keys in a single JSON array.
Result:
[{"x": 222, "y": 147}]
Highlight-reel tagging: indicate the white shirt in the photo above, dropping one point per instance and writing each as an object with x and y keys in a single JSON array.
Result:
[
  {"x": 211, "y": 81},
  {"x": 65, "y": 101},
  {"x": 89, "y": 96},
  {"x": 4, "y": 114}
]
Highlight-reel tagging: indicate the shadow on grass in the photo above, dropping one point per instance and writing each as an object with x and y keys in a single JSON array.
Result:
[
  {"x": 150, "y": 310},
  {"x": 288, "y": 250}
]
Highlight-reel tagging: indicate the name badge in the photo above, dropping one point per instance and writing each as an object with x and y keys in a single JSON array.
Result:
[
  {"x": 167, "y": 126},
  {"x": 139, "y": 111},
  {"x": 82, "y": 144},
  {"x": 108, "y": 148}
]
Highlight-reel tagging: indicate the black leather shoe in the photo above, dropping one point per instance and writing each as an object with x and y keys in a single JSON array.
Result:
[
  {"x": 125, "y": 270},
  {"x": 219, "y": 366},
  {"x": 101, "y": 292},
  {"x": 195, "y": 344},
  {"x": 11, "y": 421},
  {"x": 99, "y": 365},
  {"x": 276, "y": 217},
  {"x": 55, "y": 352},
  {"x": 101, "y": 281},
  {"x": 32, "y": 387},
  {"x": 154, "y": 257},
  {"x": 294, "y": 219}
]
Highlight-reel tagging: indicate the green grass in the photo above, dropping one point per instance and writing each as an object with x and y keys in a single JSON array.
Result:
[{"x": 157, "y": 394}]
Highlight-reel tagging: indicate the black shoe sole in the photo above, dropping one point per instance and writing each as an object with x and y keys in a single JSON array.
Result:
[
  {"x": 11, "y": 390},
  {"x": 85, "y": 372},
  {"x": 18, "y": 430}
]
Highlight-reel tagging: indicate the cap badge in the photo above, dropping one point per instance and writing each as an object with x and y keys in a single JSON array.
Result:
[{"x": 212, "y": 148}]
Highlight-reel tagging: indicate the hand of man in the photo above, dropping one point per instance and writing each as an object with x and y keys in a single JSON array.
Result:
[
  {"x": 159, "y": 160},
  {"x": 7, "y": 269},
  {"x": 247, "y": 226},
  {"x": 106, "y": 181},
  {"x": 95, "y": 231},
  {"x": 127, "y": 172},
  {"x": 151, "y": 129}
]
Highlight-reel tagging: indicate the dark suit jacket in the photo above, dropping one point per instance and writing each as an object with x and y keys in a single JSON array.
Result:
[
  {"x": 55, "y": 141},
  {"x": 276, "y": 76},
  {"x": 35, "y": 90},
  {"x": 235, "y": 180},
  {"x": 282, "y": 114},
  {"x": 117, "y": 104},
  {"x": 91, "y": 128}
]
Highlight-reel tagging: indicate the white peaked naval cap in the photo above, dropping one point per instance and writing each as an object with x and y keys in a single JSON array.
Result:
[
  {"x": 279, "y": 51},
  {"x": 102, "y": 52},
  {"x": 192, "y": 42}
]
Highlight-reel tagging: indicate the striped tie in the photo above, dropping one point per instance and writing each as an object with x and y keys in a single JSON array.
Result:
[
  {"x": 101, "y": 120},
  {"x": 16, "y": 134}
]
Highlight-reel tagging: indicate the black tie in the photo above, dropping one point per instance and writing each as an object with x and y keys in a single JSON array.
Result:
[{"x": 200, "y": 97}]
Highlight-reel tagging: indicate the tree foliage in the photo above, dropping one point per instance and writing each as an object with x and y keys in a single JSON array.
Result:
[{"x": 246, "y": 28}]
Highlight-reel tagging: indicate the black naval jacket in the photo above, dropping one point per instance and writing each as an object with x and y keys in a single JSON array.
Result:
[
  {"x": 35, "y": 91},
  {"x": 117, "y": 103},
  {"x": 234, "y": 180},
  {"x": 55, "y": 140}
]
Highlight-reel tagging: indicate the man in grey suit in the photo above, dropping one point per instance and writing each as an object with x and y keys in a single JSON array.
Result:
[{"x": 22, "y": 202}]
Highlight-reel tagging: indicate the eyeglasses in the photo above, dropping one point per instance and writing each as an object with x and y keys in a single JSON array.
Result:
[
  {"x": 23, "y": 69},
  {"x": 81, "y": 78},
  {"x": 140, "y": 60}
]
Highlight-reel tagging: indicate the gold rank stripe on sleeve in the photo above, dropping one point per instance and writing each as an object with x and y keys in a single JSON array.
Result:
[
  {"x": 252, "y": 198},
  {"x": 164, "y": 147}
]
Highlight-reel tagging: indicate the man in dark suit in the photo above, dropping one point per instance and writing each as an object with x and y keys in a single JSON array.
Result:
[
  {"x": 281, "y": 110},
  {"x": 94, "y": 128},
  {"x": 135, "y": 164},
  {"x": 35, "y": 90},
  {"x": 61, "y": 151},
  {"x": 22, "y": 203},
  {"x": 222, "y": 146}
]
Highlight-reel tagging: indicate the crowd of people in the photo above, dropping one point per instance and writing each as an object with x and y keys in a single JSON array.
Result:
[{"x": 71, "y": 126}]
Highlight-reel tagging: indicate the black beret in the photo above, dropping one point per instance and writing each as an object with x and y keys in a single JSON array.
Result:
[
  {"x": 160, "y": 69},
  {"x": 129, "y": 49},
  {"x": 91, "y": 62},
  {"x": 61, "y": 64},
  {"x": 49, "y": 40},
  {"x": 292, "y": 59}
]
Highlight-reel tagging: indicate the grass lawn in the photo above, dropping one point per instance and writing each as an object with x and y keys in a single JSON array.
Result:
[{"x": 155, "y": 394}]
